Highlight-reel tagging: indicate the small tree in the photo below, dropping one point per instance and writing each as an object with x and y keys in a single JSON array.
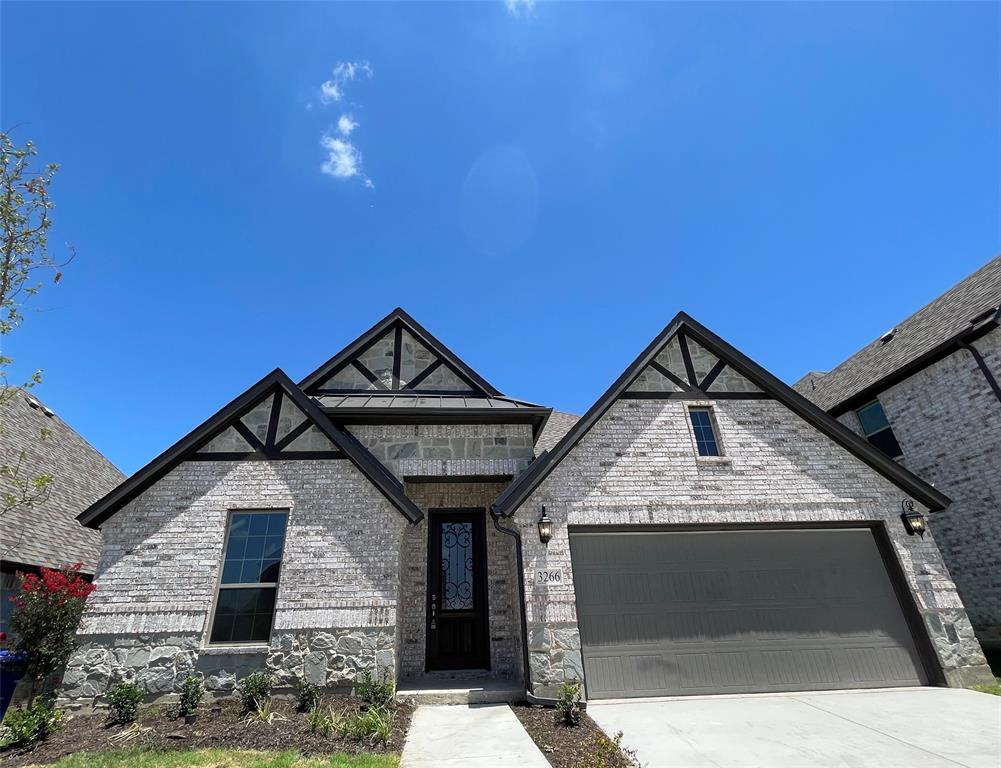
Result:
[{"x": 45, "y": 617}]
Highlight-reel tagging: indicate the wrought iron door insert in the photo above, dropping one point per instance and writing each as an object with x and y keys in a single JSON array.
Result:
[{"x": 457, "y": 594}]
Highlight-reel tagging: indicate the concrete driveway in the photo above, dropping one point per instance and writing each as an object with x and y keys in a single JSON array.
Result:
[{"x": 889, "y": 728}]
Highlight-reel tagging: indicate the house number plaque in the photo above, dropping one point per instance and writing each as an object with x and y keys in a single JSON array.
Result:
[{"x": 549, "y": 576}]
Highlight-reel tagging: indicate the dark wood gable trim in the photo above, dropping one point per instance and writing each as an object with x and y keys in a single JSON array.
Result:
[
  {"x": 185, "y": 449},
  {"x": 399, "y": 320},
  {"x": 519, "y": 491}
]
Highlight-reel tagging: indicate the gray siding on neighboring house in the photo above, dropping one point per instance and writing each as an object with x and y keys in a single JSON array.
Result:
[
  {"x": 948, "y": 423},
  {"x": 638, "y": 466},
  {"x": 337, "y": 597}
]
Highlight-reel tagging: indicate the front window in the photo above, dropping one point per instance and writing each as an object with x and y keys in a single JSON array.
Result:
[
  {"x": 245, "y": 606},
  {"x": 876, "y": 428},
  {"x": 705, "y": 432}
]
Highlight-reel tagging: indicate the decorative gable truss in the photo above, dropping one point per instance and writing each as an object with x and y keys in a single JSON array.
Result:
[
  {"x": 396, "y": 355},
  {"x": 273, "y": 419},
  {"x": 273, "y": 428},
  {"x": 685, "y": 368}
]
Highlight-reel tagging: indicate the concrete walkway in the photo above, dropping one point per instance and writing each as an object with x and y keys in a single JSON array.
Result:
[
  {"x": 474, "y": 736},
  {"x": 890, "y": 728}
]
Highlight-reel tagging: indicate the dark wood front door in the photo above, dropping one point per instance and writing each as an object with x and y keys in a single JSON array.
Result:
[{"x": 457, "y": 590}]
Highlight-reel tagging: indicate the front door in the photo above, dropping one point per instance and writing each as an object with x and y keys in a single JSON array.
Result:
[{"x": 457, "y": 590}]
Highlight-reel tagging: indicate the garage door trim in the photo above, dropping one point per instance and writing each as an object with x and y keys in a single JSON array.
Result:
[{"x": 906, "y": 600}]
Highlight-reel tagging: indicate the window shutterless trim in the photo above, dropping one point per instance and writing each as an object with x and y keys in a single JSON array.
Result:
[
  {"x": 708, "y": 409},
  {"x": 221, "y": 565}
]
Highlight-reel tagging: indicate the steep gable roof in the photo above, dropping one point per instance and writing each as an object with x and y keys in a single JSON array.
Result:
[
  {"x": 682, "y": 376},
  {"x": 397, "y": 354},
  {"x": 968, "y": 309},
  {"x": 46, "y": 533},
  {"x": 273, "y": 419}
]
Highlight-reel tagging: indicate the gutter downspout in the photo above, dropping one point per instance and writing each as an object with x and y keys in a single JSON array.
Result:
[
  {"x": 530, "y": 697},
  {"x": 982, "y": 364}
]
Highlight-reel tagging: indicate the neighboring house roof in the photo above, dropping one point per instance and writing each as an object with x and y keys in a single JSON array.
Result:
[
  {"x": 969, "y": 309},
  {"x": 216, "y": 431},
  {"x": 47, "y": 533},
  {"x": 693, "y": 382},
  {"x": 558, "y": 425}
]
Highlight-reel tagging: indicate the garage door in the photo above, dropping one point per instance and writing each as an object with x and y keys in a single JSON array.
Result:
[{"x": 738, "y": 611}]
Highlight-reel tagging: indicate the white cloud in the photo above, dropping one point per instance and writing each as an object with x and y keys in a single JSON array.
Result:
[
  {"x": 346, "y": 124},
  {"x": 343, "y": 160},
  {"x": 519, "y": 8},
  {"x": 344, "y": 72}
]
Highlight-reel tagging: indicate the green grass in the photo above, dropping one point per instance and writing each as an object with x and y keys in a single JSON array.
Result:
[
  {"x": 994, "y": 689},
  {"x": 223, "y": 758}
]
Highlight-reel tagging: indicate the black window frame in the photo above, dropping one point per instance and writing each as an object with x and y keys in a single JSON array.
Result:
[
  {"x": 222, "y": 586},
  {"x": 713, "y": 427},
  {"x": 883, "y": 438}
]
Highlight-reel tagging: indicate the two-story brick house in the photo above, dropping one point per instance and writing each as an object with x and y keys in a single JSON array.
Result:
[
  {"x": 928, "y": 394},
  {"x": 703, "y": 528}
]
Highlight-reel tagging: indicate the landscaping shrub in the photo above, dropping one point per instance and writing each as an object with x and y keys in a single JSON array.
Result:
[
  {"x": 22, "y": 726},
  {"x": 255, "y": 690},
  {"x": 307, "y": 694},
  {"x": 320, "y": 722},
  {"x": 568, "y": 703},
  {"x": 373, "y": 725},
  {"x": 265, "y": 713},
  {"x": 45, "y": 617},
  {"x": 376, "y": 693},
  {"x": 604, "y": 752},
  {"x": 192, "y": 693},
  {"x": 124, "y": 700}
]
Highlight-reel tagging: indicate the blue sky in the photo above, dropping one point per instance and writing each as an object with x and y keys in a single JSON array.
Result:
[{"x": 543, "y": 187}]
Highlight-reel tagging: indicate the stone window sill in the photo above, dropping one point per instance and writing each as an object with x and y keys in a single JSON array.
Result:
[
  {"x": 230, "y": 650},
  {"x": 713, "y": 460}
]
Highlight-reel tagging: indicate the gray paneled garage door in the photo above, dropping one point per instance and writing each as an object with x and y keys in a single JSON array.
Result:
[{"x": 738, "y": 611}]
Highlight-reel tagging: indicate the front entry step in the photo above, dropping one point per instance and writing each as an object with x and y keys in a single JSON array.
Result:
[{"x": 461, "y": 691}]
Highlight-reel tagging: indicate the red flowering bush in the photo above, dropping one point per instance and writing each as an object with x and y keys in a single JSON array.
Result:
[{"x": 45, "y": 617}]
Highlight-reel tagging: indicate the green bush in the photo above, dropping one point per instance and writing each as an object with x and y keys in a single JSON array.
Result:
[
  {"x": 307, "y": 694},
  {"x": 22, "y": 726},
  {"x": 376, "y": 693},
  {"x": 568, "y": 703},
  {"x": 319, "y": 721},
  {"x": 124, "y": 699},
  {"x": 373, "y": 725},
  {"x": 192, "y": 693},
  {"x": 603, "y": 752},
  {"x": 255, "y": 690}
]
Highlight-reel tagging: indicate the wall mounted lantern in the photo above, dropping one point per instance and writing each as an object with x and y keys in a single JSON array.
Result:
[
  {"x": 545, "y": 527},
  {"x": 914, "y": 522}
]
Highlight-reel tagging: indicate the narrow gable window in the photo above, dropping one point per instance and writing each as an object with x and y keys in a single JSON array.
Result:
[
  {"x": 876, "y": 428},
  {"x": 245, "y": 606},
  {"x": 705, "y": 432}
]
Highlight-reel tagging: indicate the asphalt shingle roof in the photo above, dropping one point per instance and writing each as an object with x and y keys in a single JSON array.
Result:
[
  {"x": 48, "y": 533},
  {"x": 558, "y": 425},
  {"x": 945, "y": 317}
]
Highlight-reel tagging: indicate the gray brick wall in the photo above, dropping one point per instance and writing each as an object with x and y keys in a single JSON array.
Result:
[
  {"x": 502, "y": 580},
  {"x": 948, "y": 423},
  {"x": 638, "y": 465},
  {"x": 337, "y": 598}
]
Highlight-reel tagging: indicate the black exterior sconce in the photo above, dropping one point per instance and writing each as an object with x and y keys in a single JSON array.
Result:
[
  {"x": 545, "y": 527},
  {"x": 914, "y": 522}
]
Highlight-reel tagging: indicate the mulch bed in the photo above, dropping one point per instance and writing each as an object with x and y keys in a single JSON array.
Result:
[
  {"x": 566, "y": 746},
  {"x": 220, "y": 724}
]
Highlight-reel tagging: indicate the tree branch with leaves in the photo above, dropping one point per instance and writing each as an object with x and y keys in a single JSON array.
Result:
[{"x": 26, "y": 215}]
